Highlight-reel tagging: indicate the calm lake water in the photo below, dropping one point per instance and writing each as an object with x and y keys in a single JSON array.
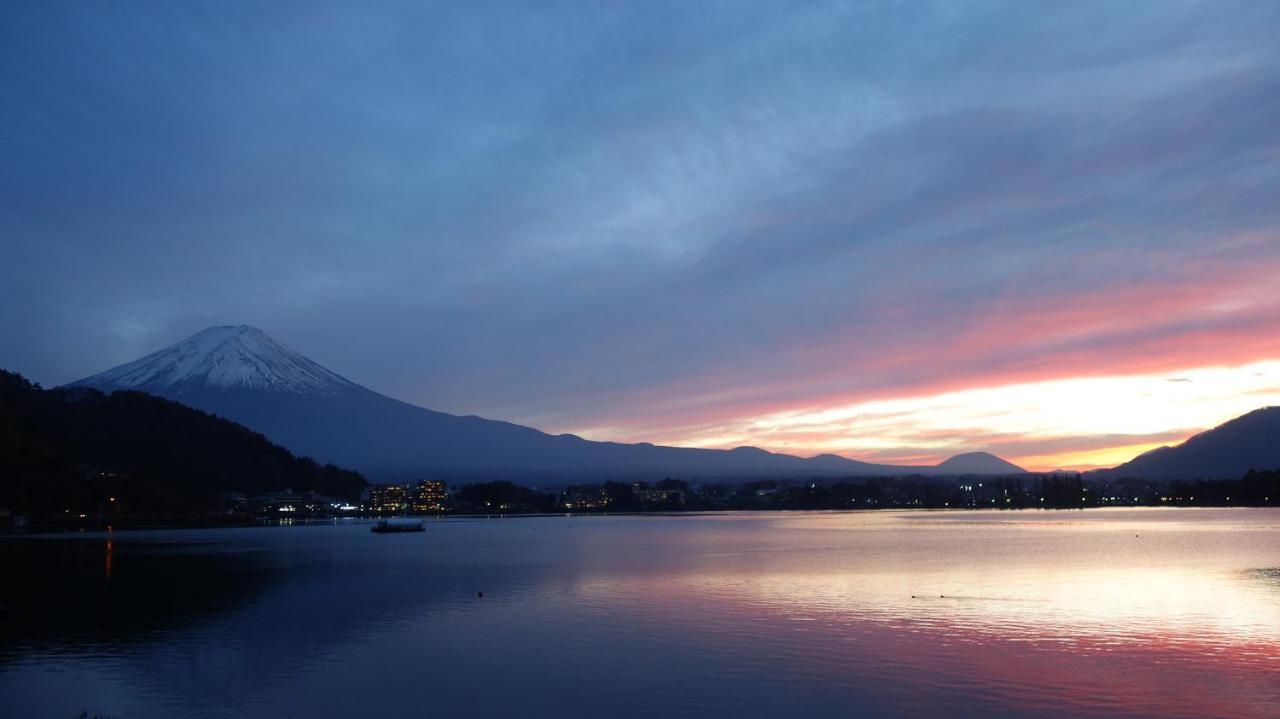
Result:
[{"x": 1097, "y": 613}]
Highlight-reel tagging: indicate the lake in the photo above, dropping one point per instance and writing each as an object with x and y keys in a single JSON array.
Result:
[{"x": 1149, "y": 612}]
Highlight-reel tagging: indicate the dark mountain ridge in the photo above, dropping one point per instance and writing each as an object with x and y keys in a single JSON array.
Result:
[
  {"x": 243, "y": 374},
  {"x": 79, "y": 447},
  {"x": 1228, "y": 451},
  {"x": 978, "y": 463}
]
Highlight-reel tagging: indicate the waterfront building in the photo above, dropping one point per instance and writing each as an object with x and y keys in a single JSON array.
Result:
[
  {"x": 584, "y": 499},
  {"x": 389, "y": 497},
  {"x": 429, "y": 496}
]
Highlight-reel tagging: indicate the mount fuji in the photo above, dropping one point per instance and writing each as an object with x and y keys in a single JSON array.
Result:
[
  {"x": 243, "y": 374},
  {"x": 223, "y": 359}
]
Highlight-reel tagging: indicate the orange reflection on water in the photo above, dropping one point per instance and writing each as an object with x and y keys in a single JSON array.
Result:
[{"x": 1125, "y": 612}]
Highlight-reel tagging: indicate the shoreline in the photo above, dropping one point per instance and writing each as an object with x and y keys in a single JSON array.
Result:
[{"x": 52, "y": 532}]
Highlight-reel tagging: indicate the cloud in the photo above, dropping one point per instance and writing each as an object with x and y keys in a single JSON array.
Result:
[
  {"x": 646, "y": 222},
  {"x": 1078, "y": 422}
]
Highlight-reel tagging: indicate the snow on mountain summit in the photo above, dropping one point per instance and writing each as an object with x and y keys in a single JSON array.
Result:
[
  {"x": 242, "y": 374},
  {"x": 222, "y": 358}
]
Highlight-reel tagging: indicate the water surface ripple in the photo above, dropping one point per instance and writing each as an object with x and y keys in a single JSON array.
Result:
[{"x": 1108, "y": 613}]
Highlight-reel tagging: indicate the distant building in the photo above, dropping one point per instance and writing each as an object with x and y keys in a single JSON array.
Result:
[
  {"x": 658, "y": 496},
  {"x": 389, "y": 497},
  {"x": 584, "y": 499},
  {"x": 429, "y": 496},
  {"x": 286, "y": 503},
  {"x": 274, "y": 502}
]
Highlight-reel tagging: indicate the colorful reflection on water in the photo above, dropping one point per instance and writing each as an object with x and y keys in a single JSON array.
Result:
[{"x": 1100, "y": 613}]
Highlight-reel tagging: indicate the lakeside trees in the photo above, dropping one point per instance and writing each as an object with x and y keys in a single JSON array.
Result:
[
  {"x": 1052, "y": 491},
  {"x": 72, "y": 452}
]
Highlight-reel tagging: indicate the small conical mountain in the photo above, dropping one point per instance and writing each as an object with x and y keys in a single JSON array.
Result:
[
  {"x": 1228, "y": 451},
  {"x": 242, "y": 374},
  {"x": 978, "y": 463}
]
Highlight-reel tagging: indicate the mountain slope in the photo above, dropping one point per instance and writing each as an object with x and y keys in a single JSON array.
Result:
[
  {"x": 75, "y": 447},
  {"x": 244, "y": 375},
  {"x": 978, "y": 463},
  {"x": 1228, "y": 451},
  {"x": 223, "y": 358}
]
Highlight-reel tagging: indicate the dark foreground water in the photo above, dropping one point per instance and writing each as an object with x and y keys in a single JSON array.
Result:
[{"x": 1099, "y": 613}]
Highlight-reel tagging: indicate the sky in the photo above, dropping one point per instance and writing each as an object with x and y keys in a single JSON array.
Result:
[{"x": 895, "y": 231}]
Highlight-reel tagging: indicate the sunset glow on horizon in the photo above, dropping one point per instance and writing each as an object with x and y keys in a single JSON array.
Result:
[
  {"x": 1075, "y": 424},
  {"x": 1070, "y": 383}
]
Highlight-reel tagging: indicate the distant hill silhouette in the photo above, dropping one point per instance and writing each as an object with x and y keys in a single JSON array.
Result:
[
  {"x": 77, "y": 447},
  {"x": 243, "y": 374},
  {"x": 978, "y": 463},
  {"x": 1228, "y": 451}
]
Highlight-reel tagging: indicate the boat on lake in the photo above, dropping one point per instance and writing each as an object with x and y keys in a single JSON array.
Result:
[{"x": 385, "y": 527}]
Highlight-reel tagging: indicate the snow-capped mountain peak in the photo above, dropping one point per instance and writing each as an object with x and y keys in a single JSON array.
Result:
[
  {"x": 244, "y": 375},
  {"x": 223, "y": 358}
]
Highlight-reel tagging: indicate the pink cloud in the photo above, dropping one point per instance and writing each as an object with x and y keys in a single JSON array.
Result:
[{"x": 1144, "y": 328}]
